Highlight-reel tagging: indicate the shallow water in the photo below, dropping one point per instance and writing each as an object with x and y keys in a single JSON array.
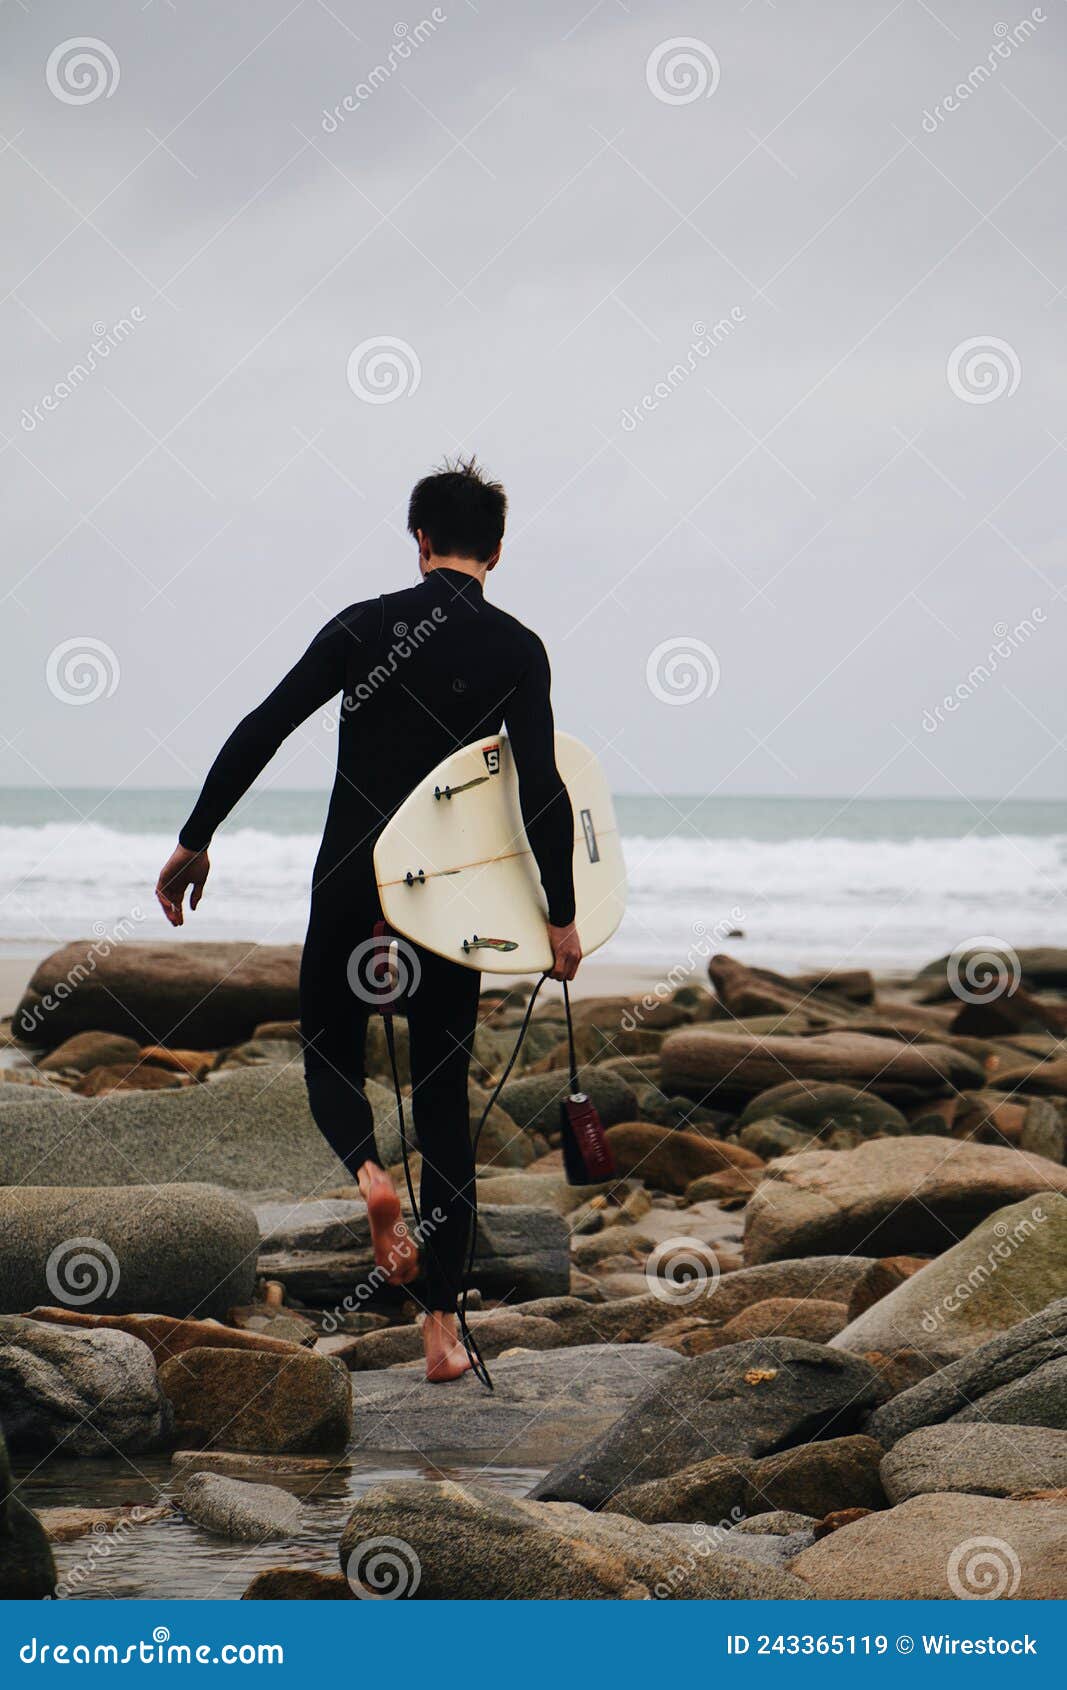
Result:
[{"x": 174, "y": 1558}]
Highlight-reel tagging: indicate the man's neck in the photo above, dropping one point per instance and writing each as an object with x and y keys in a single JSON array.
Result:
[{"x": 461, "y": 566}]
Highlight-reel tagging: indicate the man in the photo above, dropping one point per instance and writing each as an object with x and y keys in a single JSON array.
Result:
[{"x": 422, "y": 672}]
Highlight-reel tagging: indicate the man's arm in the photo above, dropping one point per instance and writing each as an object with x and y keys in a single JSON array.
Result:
[
  {"x": 545, "y": 804},
  {"x": 311, "y": 683}
]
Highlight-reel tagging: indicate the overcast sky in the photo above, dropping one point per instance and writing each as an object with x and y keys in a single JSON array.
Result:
[{"x": 820, "y": 525}]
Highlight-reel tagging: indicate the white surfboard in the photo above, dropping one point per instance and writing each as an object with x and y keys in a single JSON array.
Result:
[{"x": 456, "y": 874}]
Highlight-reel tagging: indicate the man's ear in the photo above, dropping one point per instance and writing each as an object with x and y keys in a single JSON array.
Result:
[
  {"x": 425, "y": 548},
  {"x": 491, "y": 563}
]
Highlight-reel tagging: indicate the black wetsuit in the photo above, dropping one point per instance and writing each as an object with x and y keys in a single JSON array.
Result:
[{"x": 422, "y": 672}]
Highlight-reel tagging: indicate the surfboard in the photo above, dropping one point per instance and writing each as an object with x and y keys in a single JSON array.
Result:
[{"x": 456, "y": 874}]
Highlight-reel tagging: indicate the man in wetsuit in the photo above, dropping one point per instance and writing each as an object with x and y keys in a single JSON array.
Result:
[{"x": 421, "y": 672}]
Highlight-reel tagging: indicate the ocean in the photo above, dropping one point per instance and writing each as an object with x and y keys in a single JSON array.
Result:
[{"x": 785, "y": 883}]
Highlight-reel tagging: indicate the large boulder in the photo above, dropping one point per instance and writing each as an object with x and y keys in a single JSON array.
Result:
[
  {"x": 410, "y": 1539},
  {"x": 197, "y": 994},
  {"x": 812, "y": 1479},
  {"x": 985, "y": 1460},
  {"x": 27, "y": 1571},
  {"x": 250, "y": 1400},
  {"x": 671, "y": 1160},
  {"x": 906, "y": 1195},
  {"x": 542, "y": 1402},
  {"x": 235, "y": 1509},
  {"x": 729, "y": 1068},
  {"x": 322, "y": 1251},
  {"x": 940, "y": 1548},
  {"x": 174, "y": 1249},
  {"x": 1028, "y": 1363},
  {"x": 167, "y": 1336},
  {"x": 749, "y": 1399},
  {"x": 1010, "y": 1266},
  {"x": 78, "y": 1393},
  {"x": 533, "y": 1101},
  {"x": 1041, "y": 965}
]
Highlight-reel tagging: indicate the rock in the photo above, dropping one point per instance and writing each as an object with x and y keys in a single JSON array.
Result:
[
  {"x": 748, "y": 1399},
  {"x": 322, "y": 1252},
  {"x": 166, "y": 1336},
  {"x": 670, "y": 1161},
  {"x": 840, "y": 1472},
  {"x": 1041, "y": 966},
  {"x": 914, "y": 1195},
  {"x": 1010, "y": 1266},
  {"x": 78, "y": 1393},
  {"x": 813, "y": 1318},
  {"x": 248, "y": 1129},
  {"x": 451, "y": 1541},
  {"x": 936, "y": 1548},
  {"x": 206, "y": 994},
  {"x": 777, "y": 1522},
  {"x": 538, "y": 1191},
  {"x": 1045, "y": 1078},
  {"x": 824, "y": 1108},
  {"x": 317, "y": 1476},
  {"x": 732, "y": 1068},
  {"x": 1044, "y": 1131},
  {"x": 261, "y": 1403},
  {"x": 883, "y": 1276},
  {"x": 174, "y": 1249},
  {"x": 27, "y": 1571},
  {"x": 1017, "y": 1357},
  {"x": 984, "y": 1460},
  {"x": 774, "y": 1137},
  {"x": 757, "y": 991},
  {"x": 197, "y": 1064},
  {"x": 768, "y": 1549},
  {"x": 235, "y": 1509},
  {"x": 85, "y": 1051},
  {"x": 543, "y": 1402},
  {"x": 298, "y": 1584},
  {"x": 101, "y": 1082},
  {"x": 66, "y": 1525},
  {"x": 533, "y": 1101}
]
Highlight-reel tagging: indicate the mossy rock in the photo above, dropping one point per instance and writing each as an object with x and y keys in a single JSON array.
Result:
[{"x": 823, "y": 1107}]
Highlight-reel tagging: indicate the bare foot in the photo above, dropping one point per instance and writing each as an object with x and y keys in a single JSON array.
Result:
[
  {"x": 394, "y": 1250},
  {"x": 446, "y": 1357}
]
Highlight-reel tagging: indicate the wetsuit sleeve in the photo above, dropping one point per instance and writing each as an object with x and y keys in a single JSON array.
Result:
[
  {"x": 310, "y": 684},
  {"x": 543, "y": 798}
]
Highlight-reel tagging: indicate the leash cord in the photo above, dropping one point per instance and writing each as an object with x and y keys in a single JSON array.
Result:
[{"x": 478, "y": 1366}]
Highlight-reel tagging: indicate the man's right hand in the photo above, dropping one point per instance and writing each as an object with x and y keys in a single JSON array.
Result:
[
  {"x": 566, "y": 950},
  {"x": 183, "y": 871}
]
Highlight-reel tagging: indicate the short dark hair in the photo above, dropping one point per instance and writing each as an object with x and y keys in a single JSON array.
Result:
[{"x": 460, "y": 510}]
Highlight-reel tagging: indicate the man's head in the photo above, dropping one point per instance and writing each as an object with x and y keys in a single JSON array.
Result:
[{"x": 458, "y": 513}]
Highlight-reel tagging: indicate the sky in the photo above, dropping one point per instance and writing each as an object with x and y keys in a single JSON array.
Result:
[{"x": 757, "y": 310}]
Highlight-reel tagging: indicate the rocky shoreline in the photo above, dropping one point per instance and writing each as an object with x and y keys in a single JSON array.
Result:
[{"x": 810, "y": 1341}]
